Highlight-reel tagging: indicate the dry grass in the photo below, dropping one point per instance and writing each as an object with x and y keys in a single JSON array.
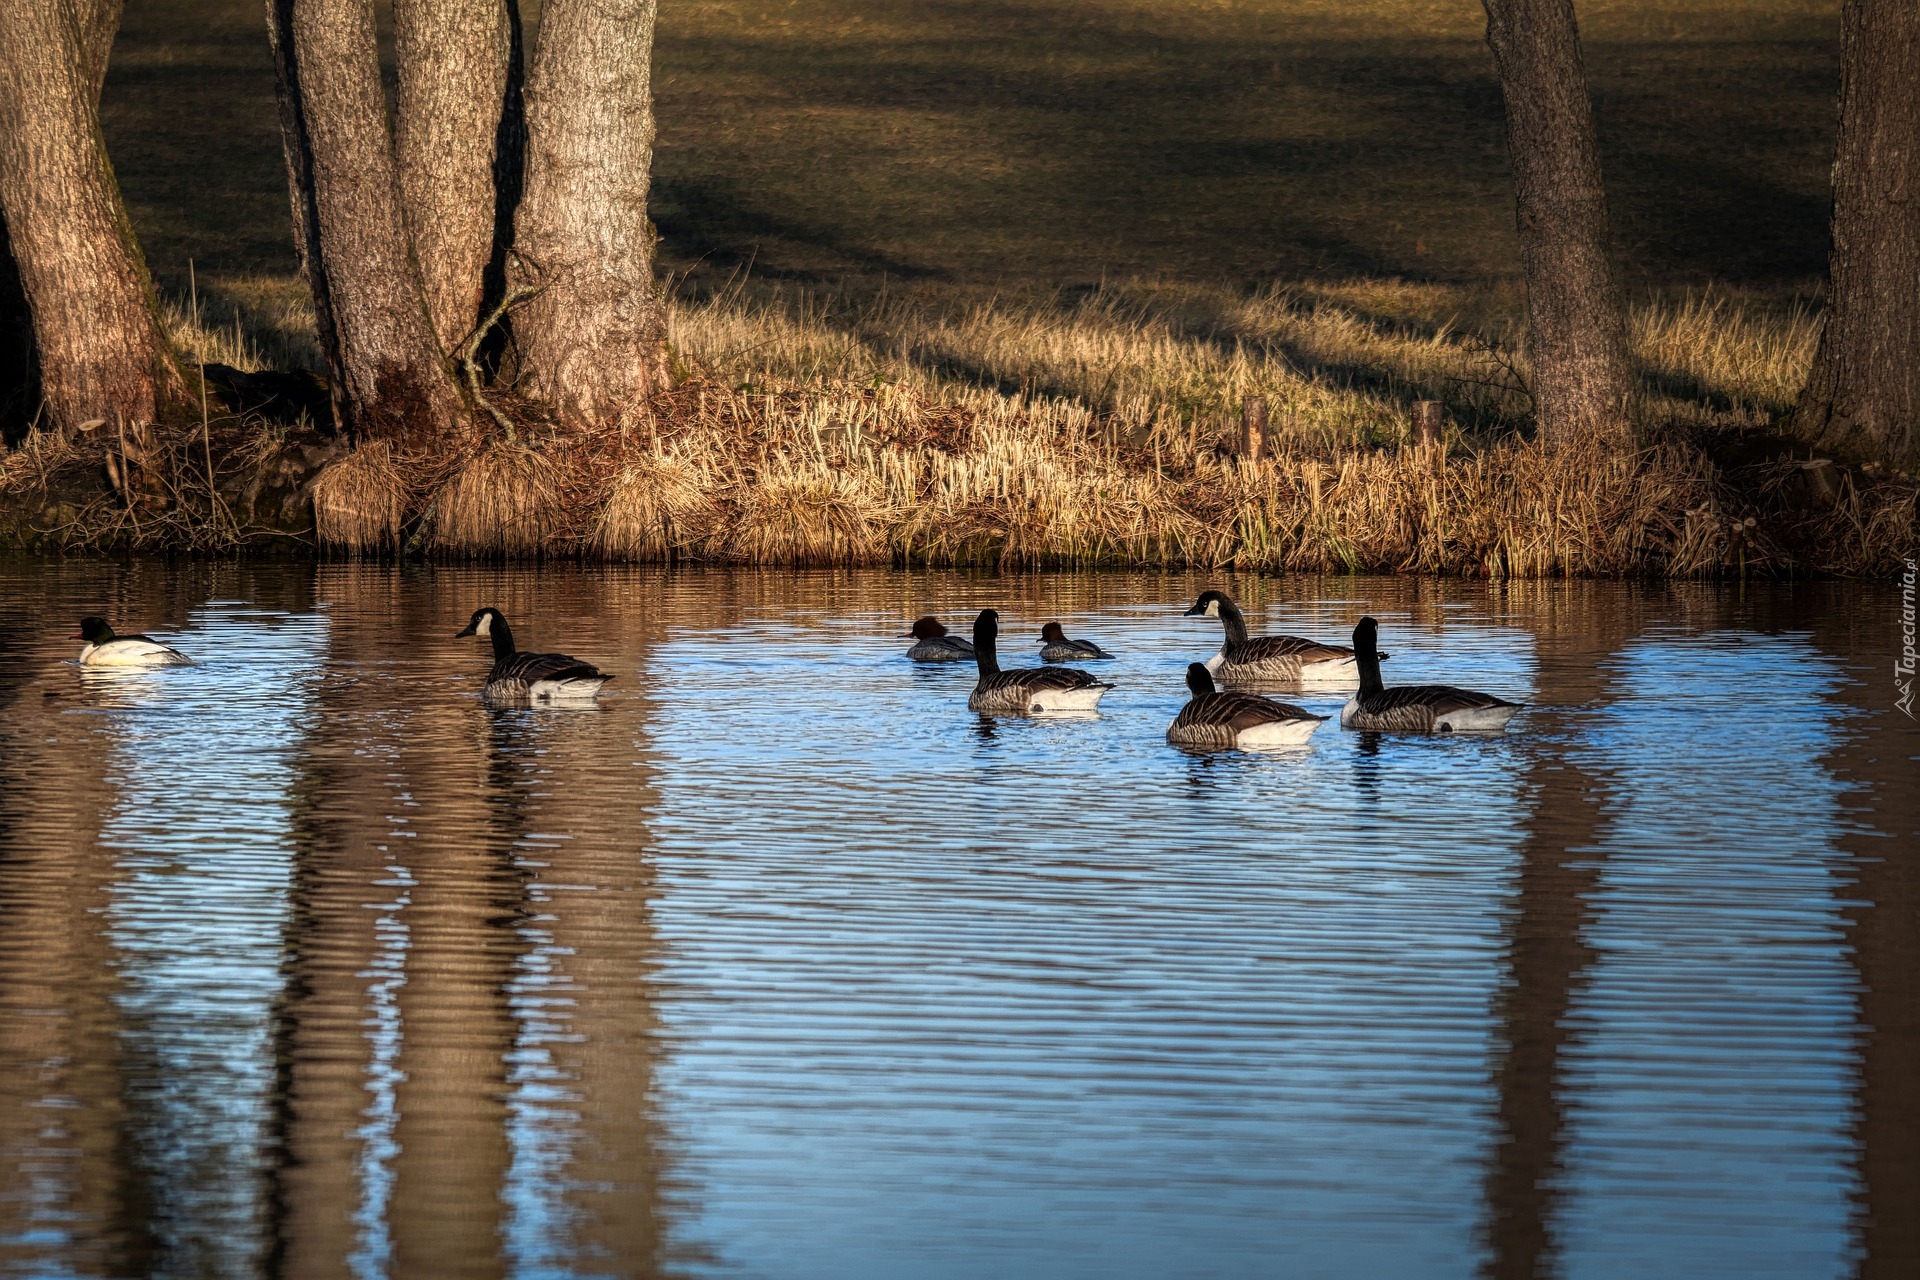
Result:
[
  {"x": 359, "y": 501},
  {"x": 504, "y": 500},
  {"x": 1097, "y": 429}
]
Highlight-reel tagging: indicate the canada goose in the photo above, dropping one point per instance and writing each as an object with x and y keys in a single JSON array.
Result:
[
  {"x": 105, "y": 649},
  {"x": 545, "y": 676},
  {"x": 1252, "y": 660},
  {"x": 933, "y": 644},
  {"x": 1415, "y": 708},
  {"x": 1244, "y": 720},
  {"x": 1055, "y": 647},
  {"x": 1030, "y": 690}
]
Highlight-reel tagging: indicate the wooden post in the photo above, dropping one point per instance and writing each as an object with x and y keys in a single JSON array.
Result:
[
  {"x": 1429, "y": 423},
  {"x": 1253, "y": 428}
]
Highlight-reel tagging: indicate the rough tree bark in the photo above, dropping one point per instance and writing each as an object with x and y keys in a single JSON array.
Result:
[
  {"x": 1577, "y": 336},
  {"x": 391, "y": 380},
  {"x": 592, "y": 340},
  {"x": 99, "y": 24},
  {"x": 452, "y": 58},
  {"x": 101, "y": 347},
  {"x": 298, "y": 154},
  {"x": 1862, "y": 398}
]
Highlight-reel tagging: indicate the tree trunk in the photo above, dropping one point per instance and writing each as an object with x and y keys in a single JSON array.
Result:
[
  {"x": 101, "y": 345},
  {"x": 592, "y": 340},
  {"x": 99, "y": 24},
  {"x": 298, "y": 154},
  {"x": 1862, "y": 399},
  {"x": 391, "y": 380},
  {"x": 1577, "y": 337},
  {"x": 452, "y": 57}
]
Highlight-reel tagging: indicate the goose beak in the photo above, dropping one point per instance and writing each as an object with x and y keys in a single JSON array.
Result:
[
  {"x": 465, "y": 631},
  {"x": 1194, "y": 612}
]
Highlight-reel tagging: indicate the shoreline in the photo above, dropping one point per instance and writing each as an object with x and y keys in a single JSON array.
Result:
[{"x": 811, "y": 476}]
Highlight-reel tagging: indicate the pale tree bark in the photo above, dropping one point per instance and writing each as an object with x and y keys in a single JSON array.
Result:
[
  {"x": 1577, "y": 335},
  {"x": 391, "y": 380},
  {"x": 1862, "y": 398},
  {"x": 452, "y": 60},
  {"x": 101, "y": 347},
  {"x": 592, "y": 340}
]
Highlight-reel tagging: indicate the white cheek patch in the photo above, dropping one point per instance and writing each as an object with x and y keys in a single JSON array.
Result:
[
  {"x": 486, "y": 625},
  {"x": 1213, "y": 608}
]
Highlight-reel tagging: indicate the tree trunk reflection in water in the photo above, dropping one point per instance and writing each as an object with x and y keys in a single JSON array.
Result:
[
  {"x": 73, "y": 1195},
  {"x": 466, "y": 1027},
  {"x": 1882, "y": 905},
  {"x": 1577, "y": 627}
]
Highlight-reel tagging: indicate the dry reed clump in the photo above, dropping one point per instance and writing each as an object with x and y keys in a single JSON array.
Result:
[
  {"x": 505, "y": 500},
  {"x": 657, "y": 506},
  {"x": 360, "y": 501}
]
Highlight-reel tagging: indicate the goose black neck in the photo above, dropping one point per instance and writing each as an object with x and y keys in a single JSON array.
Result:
[
  {"x": 1199, "y": 679},
  {"x": 1366, "y": 656},
  {"x": 1234, "y": 621},
  {"x": 502, "y": 637},
  {"x": 985, "y": 632}
]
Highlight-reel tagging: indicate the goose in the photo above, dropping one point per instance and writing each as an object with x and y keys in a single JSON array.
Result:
[
  {"x": 1030, "y": 690},
  {"x": 1243, "y": 720},
  {"x": 931, "y": 643},
  {"x": 1055, "y": 647},
  {"x": 1416, "y": 708},
  {"x": 544, "y": 676},
  {"x": 1249, "y": 660},
  {"x": 105, "y": 649}
]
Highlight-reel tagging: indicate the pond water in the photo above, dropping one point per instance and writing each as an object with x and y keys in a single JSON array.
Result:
[{"x": 779, "y": 963}]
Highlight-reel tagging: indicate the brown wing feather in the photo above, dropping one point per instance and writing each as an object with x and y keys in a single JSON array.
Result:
[
  {"x": 529, "y": 668},
  {"x": 1236, "y": 711},
  {"x": 1037, "y": 678},
  {"x": 1294, "y": 648},
  {"x": 1439, "y": 699}
]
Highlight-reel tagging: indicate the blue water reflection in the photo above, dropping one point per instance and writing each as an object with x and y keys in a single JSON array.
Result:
[{"x": 781, "y": 963}]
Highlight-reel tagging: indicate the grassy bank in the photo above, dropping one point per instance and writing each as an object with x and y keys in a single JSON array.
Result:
[{"x": 1099, "y": 427}]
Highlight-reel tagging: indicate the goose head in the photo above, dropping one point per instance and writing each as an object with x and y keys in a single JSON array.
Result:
[
  {"x": 93, "y": 631},
  {"x": 1366, "y": 637},
  {"x": 1209, "y": 604},
  {"x": 1199, "y": 679},
  {"x": 927, "y": 628},
  {"x": 1052, "y": 633},
  {"x": 481, "y": 623},
  {"x": 986, "y": 627}
]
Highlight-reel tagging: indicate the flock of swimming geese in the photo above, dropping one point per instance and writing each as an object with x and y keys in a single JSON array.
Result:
[{"x": 1212, "y": 718}]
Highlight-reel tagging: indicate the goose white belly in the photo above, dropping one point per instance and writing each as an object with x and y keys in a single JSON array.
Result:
[
  {"x": 1475, "y": 720},
  {"x": 1333, "y": 673},
  {"x": 576, "y": 690},
  {"x": 1276, "y": 733},
  {"x": 1465, "y": 720},
  {"x": 132, "y": 653},
  {"x": 1015, "y": 700},
  {"x": 1083, "y": 699},
  {"x": 570, "y": 691}
]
